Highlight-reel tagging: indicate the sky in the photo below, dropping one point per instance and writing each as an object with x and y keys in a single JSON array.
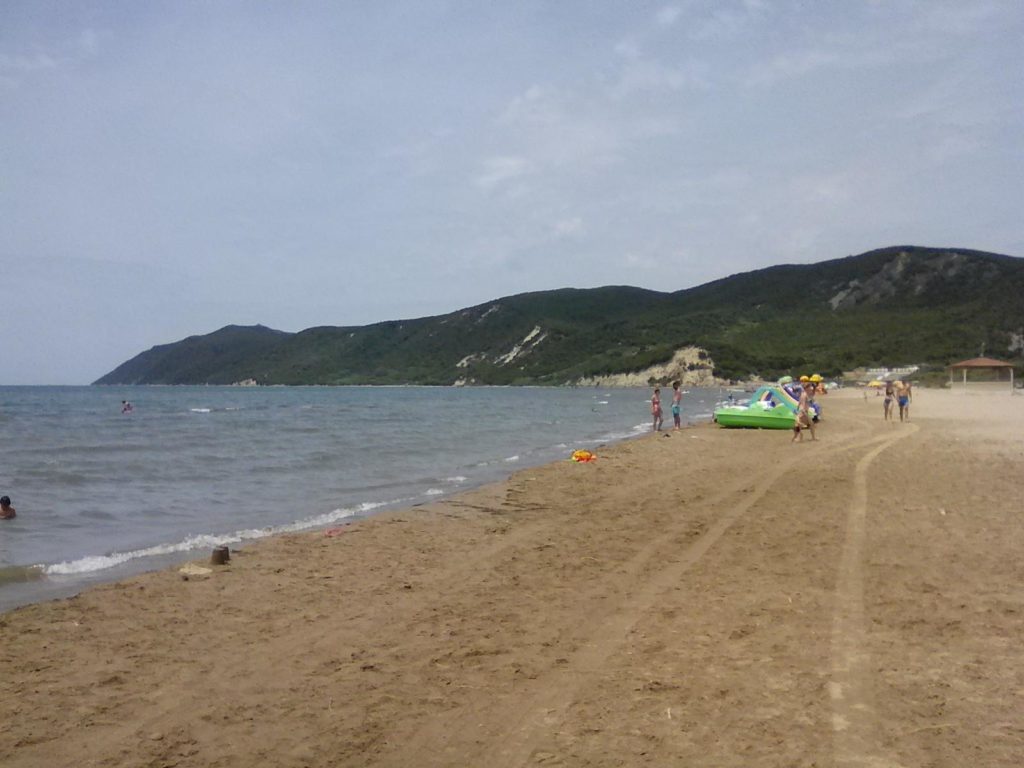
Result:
[{"x": 168, "y": 168}]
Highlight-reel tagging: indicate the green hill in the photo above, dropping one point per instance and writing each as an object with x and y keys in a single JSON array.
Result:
[{"x": 896, "y": 305}]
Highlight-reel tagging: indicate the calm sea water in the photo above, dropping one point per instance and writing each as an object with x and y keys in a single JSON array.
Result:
[{"x": 101, "y": 494}]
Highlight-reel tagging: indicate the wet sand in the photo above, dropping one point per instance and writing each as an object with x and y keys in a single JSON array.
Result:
[{"x": 711, "y": 598}]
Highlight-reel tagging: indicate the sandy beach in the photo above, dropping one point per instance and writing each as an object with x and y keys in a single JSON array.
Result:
[{"x": 706, "y": 598}]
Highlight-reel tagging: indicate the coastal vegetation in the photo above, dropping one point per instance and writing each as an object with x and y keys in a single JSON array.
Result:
[{"x": 903, "y": 304}]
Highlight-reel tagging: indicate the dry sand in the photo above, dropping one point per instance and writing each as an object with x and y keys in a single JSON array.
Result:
[{"x": 713, "y": 598}]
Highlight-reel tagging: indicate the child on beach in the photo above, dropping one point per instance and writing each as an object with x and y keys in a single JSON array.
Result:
[
  {"x": 6, "y": 510},
  {"x": 677, "y": 398},
  {"x": 656, "y": 408},
  {"x": 804, "y": 418}
]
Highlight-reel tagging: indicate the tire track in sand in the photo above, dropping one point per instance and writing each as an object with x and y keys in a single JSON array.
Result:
[
  {"x": 854, "y": 720},
  {"x": 529, "y": 719},
  {"x": 523, "y": 741}
]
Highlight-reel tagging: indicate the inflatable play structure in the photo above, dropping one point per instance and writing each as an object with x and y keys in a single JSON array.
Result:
[{"x": 773, "y": 406}]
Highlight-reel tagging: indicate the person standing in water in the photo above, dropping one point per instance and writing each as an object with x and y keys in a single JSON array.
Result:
[
  {"x": 6, "y": 510},
  {"x": 677, "y": 400},
  {"x": 656, "y": 409}
]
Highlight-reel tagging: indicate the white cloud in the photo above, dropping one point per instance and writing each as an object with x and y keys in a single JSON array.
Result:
[
  {"x": 530, "y": 150},
  {"x": 89, "y": 42},
  {"x": 730, "y": 178},
  {"x": 639, "y": 260},
  {"x": 568, "y": 227},
  {"x": 799, "y": 243},
  {"x": 421, "y": 155},
  {"x": 953, "y": 145},
  {"x": 561, "y": 129},
  {"x": 668, "y": 15},
  {"x": 627, "y": 49},
  {"x": 962, "y": 18},
  {"x": 724, "y": 23},
  {"x": 538, "y": 105},
  {"x": 21, "y": 63},
  {"x": 792, "y": 64},
  {"x": 821, "y": 190},
  {"x": 497, "y": 170},
  {"x": 948, "y": 101},
  {"x": 650, "y": 76}
]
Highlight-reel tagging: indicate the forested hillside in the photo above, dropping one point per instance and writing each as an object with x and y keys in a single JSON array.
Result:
[{"x": 891, "y": 306}]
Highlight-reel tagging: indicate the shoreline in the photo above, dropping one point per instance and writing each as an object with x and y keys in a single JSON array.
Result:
[
  {"x": 73, "y": 561},
  {"x": 679, "y": 600}
]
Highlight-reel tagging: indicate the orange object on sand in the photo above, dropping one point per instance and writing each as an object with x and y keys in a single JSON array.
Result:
[{"x": 583, "y": 456}]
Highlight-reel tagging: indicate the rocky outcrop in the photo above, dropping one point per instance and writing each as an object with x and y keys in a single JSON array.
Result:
[{"x": 690, "y": 365}]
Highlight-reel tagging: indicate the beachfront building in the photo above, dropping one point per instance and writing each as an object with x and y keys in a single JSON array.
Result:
[
  {"x": 890, "y": 374},
  {"x": 991, "y": 374}
]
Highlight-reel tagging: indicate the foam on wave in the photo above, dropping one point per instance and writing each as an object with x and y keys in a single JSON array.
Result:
[{"x": 94, "y": 563}]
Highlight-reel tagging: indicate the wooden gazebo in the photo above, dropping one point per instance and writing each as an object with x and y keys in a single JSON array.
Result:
[{"x": 980, "y": 364}]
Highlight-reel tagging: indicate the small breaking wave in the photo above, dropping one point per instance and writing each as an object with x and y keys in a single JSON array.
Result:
[
  {"x": 13, "y": 574},
  {"x": 93, "y": 563}
]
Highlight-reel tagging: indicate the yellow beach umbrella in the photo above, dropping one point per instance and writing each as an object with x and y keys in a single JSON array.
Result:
[
  {"x": 875, "y": 383},
  {"x": 816, "y": 377}
]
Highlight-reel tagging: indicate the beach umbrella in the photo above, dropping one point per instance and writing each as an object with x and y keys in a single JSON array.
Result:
[
  {"x": 816, "y": 377},
  {"x": 785, "y": 380},
  {"x": 875, "y": 383}
]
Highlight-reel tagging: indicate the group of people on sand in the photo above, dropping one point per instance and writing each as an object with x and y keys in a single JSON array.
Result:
[
  {"x": 900, "y": 392},
  {"x": 677, "y": 407}
]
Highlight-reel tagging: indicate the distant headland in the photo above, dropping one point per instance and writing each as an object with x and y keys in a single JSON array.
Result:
[{"x": 896, "y": 305}]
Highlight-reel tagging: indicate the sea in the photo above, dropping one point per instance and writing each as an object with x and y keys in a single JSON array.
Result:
[{"x": 101, "y": 494}]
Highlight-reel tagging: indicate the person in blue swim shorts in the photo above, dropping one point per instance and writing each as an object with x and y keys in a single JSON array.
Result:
[
  {"x": 903, "y": 397},
  {"x": 677, "y": 399}
]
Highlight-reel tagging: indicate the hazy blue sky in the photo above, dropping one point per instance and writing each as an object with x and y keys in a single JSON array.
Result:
[{"x": 167, "y": 168}]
